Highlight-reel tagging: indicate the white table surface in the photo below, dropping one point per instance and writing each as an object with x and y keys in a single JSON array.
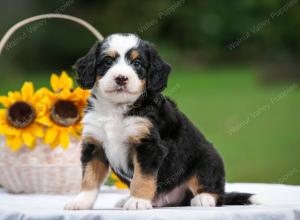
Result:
[{"x": 282, "y": 202}]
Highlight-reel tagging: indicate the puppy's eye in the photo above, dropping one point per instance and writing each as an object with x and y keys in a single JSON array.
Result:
[
  {"x": 137, "y": 63},
  {"x": 108, "y": 61}
]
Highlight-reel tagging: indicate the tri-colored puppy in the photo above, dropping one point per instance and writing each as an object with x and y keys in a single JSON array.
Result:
[{"x": 130, "y": 127}]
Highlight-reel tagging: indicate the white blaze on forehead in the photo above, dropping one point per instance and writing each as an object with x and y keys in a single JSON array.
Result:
[
  {"x": 122, "y": 43},
  {"x": 119, "y": 45}
]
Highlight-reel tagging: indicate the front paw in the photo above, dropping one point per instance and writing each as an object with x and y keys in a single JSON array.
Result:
[
  {"x": 134, "y": 203},
  {"x": 84, "y": 201},
  {"x": 78, "y": 205}
]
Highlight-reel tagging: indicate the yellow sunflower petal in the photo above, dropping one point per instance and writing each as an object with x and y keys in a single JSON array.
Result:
[
  {"x": 41, "y": 94},
  {"x": 14, "y": 96},
  {"x": 40, "y": 110},
  {"x": 50, "y": 135},
  {"x": 38, "y": 130},
  {"x": 64, "y": 139},
  {"x": 55, "y": 143},
  {"x": 44, "y": 120},
  {"x": 113, "y": 176},
  {"x": 27, "y": 91},
  {"x": 80, "y": 96},
  {"x": 28, "y": 139},
  {"x": 13, "y": 131},
  {"x": 65, "y": 81},
  {"x": 5, "y": 101},
  {"x": 54, "y": 81},
  {"x": 6, "y": 129},
  {"x": 9, "y": 141},
  {"x": 2, "y": 128},
  {"x": 65, "y": 94},
  {"x": 3, "y": 119},
  {"x": 120, "y": 185},
  {"x": 75, "y": 130},
  {"x": 16, "y": 143},
  {"x": 2, "y": 112}
]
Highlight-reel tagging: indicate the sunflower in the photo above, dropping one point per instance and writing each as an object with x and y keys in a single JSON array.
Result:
[
  {"x": 117, "y": 182},
  {"x": 65, "y": 107},
  {"x": 61, "y": 82},
  {"x": 20, "y": 115}
]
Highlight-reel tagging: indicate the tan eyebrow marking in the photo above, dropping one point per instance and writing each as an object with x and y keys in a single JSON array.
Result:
[
  {"x": 112, "y": 53},
  {"x": 134, "y": 54}
]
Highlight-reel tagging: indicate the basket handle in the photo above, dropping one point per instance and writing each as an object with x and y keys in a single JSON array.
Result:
[{"x": 22, "y": 23}]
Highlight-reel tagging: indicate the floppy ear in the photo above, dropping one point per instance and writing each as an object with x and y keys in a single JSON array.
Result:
[
  {"x": 158, "y": 71},
  {"x": 86, "y": 67}
]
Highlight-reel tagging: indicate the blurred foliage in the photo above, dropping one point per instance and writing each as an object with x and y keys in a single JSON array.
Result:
[{"x": 191, "y": 32}]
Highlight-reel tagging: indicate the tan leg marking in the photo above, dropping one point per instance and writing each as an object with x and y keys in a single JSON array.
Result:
[
  {"x": 94, "y": 174},
  {"x": 95, "y": 170},
  {"x": 194, "y": 185},
  {"x": 197, "y": 189},
  {"x": 142, "y": 185}
]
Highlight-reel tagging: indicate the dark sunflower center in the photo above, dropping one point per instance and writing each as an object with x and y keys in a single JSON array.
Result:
[
  {"x": 21, "y": 114},
  {"x": 65, "y": 113}
]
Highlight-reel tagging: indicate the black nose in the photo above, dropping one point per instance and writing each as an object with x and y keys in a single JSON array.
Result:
[{"x": 121, "y": 80}]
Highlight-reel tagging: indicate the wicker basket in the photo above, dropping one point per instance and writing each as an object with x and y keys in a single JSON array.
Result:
[
  {"x": 48, "y": 179},
  {"x": 42, "y": 170}
]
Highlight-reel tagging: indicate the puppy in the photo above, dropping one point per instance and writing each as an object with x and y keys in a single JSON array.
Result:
[{"x": 130, "y": 127}]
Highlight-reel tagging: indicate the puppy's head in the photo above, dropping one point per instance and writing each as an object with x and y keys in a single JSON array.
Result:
[{"x": 121, "y": 68}]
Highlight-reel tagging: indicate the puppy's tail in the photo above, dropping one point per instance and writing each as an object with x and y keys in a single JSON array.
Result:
[{"x": 236, "y": 198}]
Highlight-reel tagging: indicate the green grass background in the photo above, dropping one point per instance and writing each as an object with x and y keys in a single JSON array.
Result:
[{"x": 266, "y": 148}]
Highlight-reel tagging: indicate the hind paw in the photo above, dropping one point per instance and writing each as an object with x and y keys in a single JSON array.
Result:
[
  {"x": 134, "y": 203},
  {"x": 204, "y": 200}
]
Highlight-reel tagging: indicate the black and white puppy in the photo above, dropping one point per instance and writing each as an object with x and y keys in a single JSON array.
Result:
[{"x": 130, "y": 127}]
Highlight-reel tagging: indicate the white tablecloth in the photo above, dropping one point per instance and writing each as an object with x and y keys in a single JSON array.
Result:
[{"x": 282, "y": 202}]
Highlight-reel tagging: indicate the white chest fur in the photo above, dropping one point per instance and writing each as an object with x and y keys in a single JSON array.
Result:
[{"x": 107, "y": 124}]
